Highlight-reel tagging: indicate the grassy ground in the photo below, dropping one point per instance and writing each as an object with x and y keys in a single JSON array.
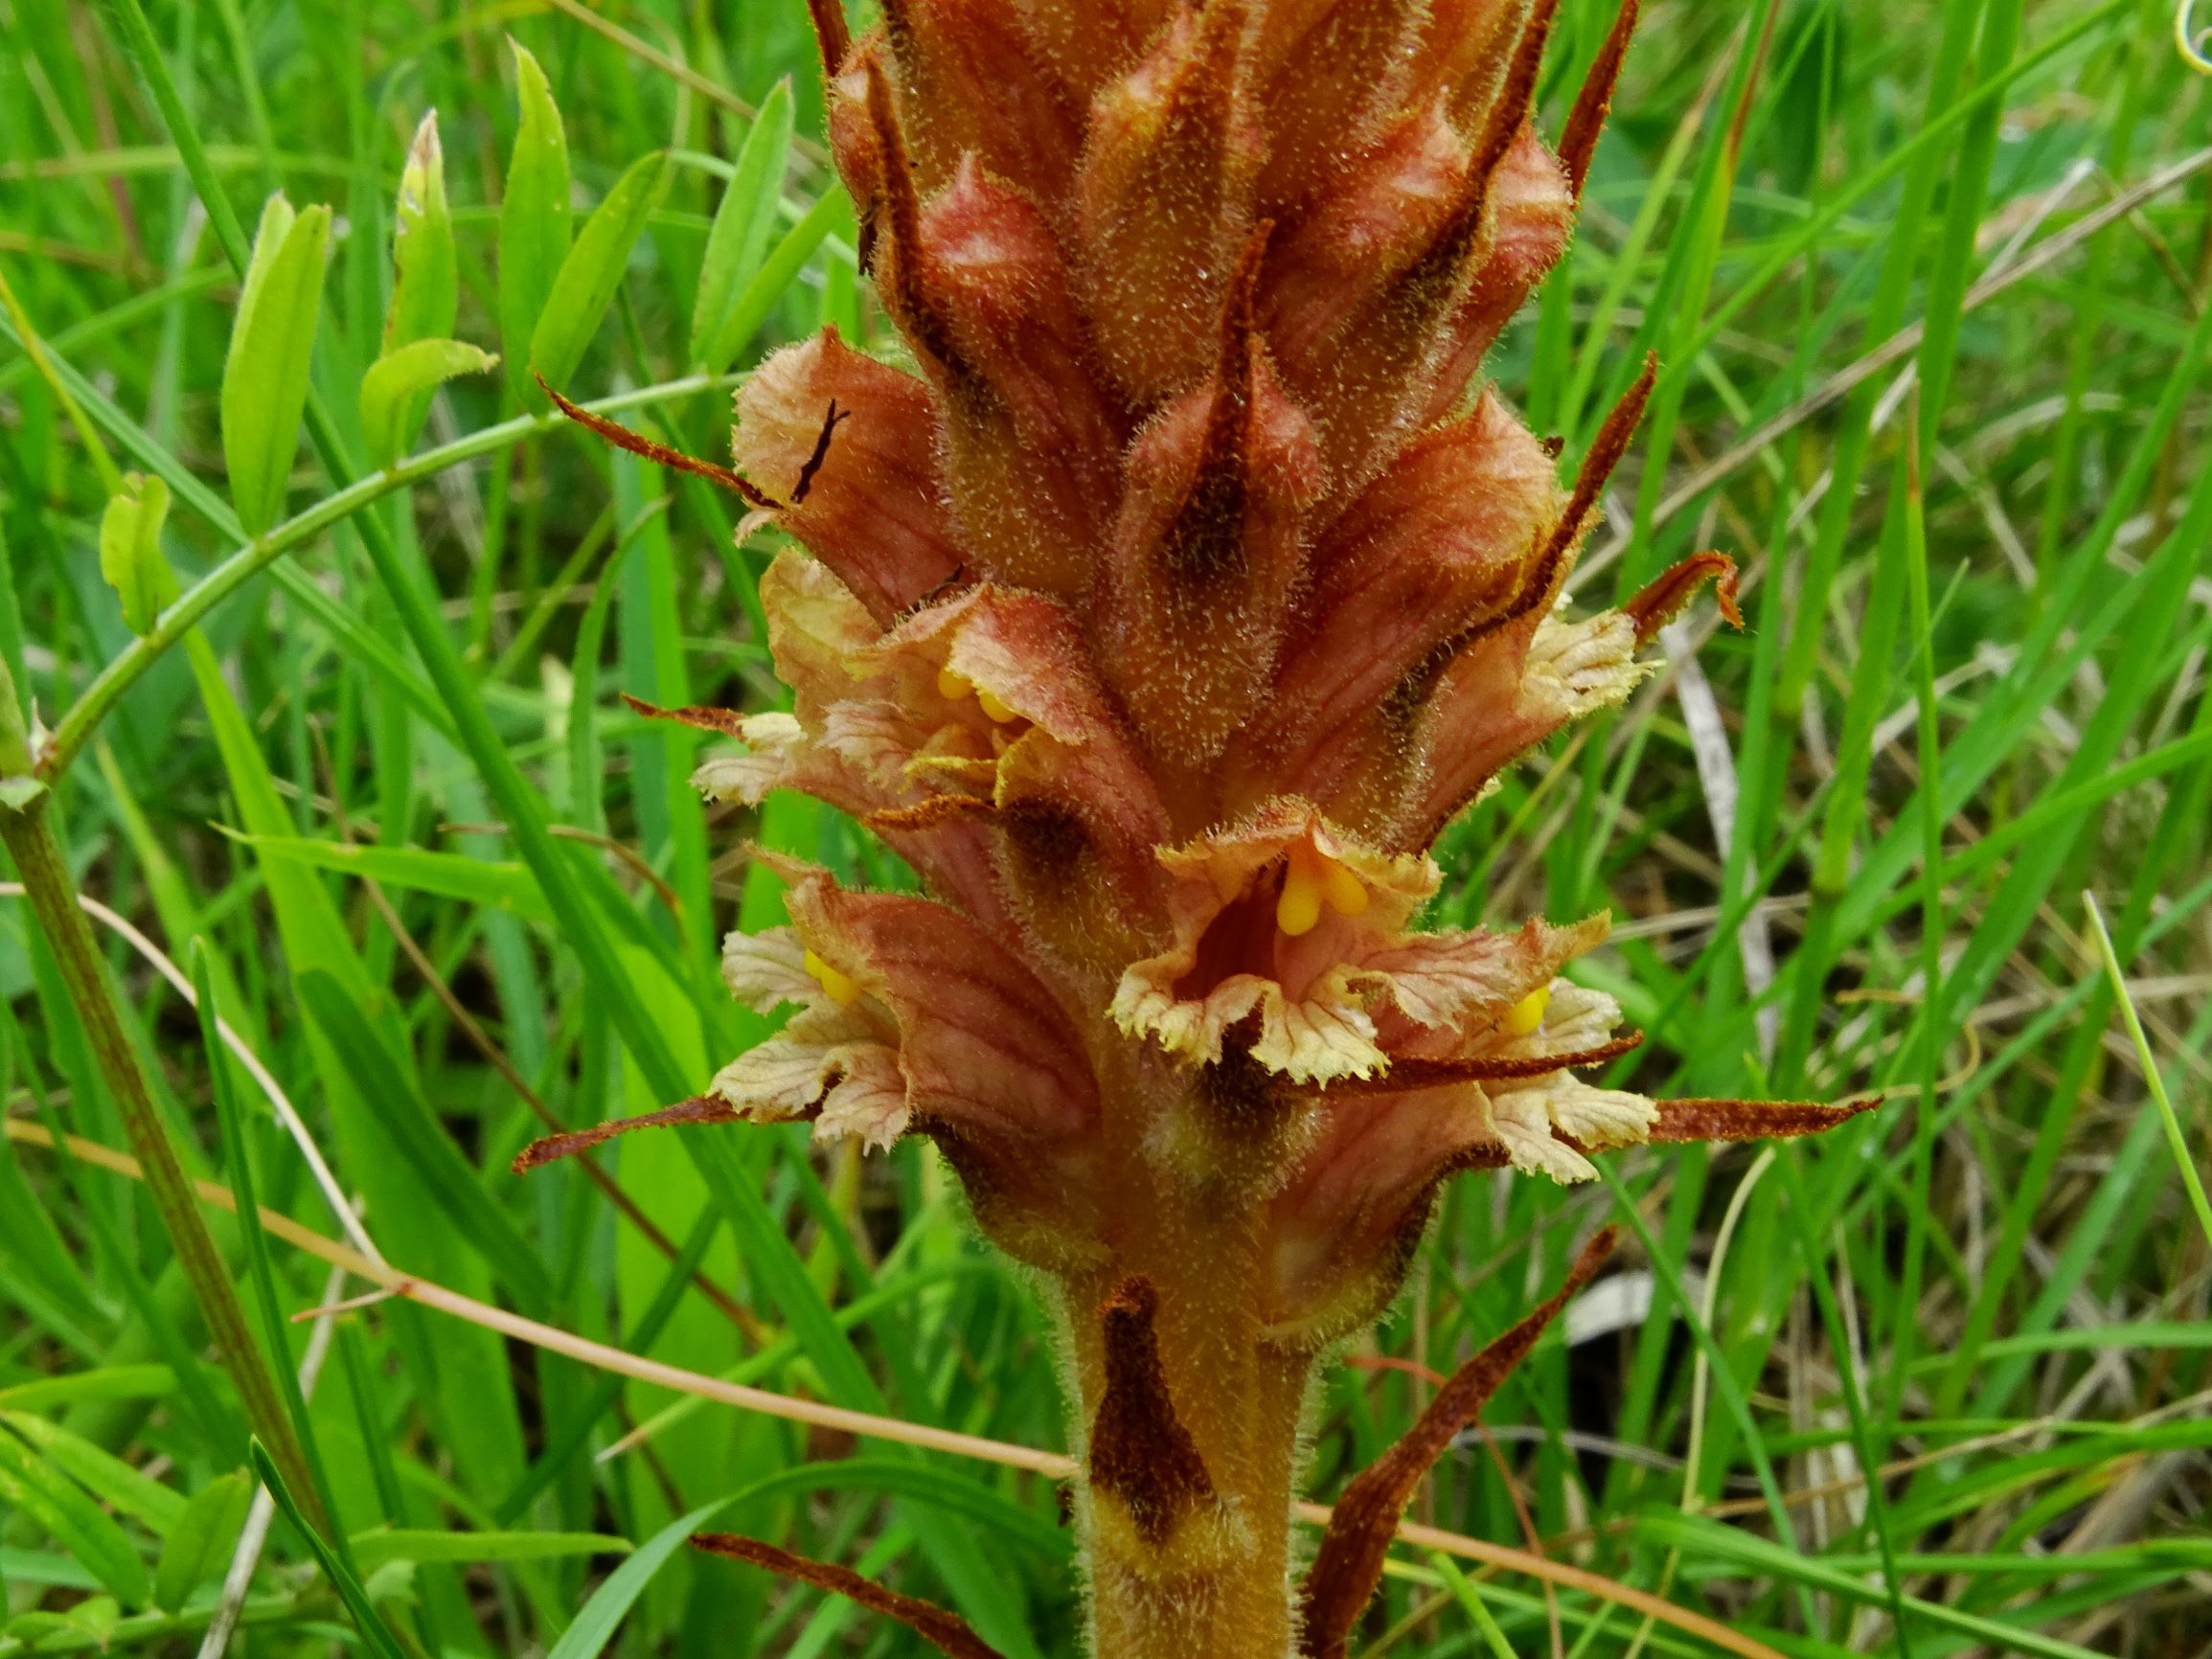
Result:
[{"x": 1931, "y": 281}]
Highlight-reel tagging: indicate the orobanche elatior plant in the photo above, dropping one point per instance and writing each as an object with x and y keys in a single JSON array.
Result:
[{"x": 1160, "y": 619}]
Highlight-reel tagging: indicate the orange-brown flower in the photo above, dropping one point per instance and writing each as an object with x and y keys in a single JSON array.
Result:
[{"x": 1161, "y": 616}]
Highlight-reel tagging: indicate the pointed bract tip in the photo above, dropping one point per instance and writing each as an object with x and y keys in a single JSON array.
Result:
[
  {"x": 948, "y": 1632},
  {"x": 623, "y": 438},
  {"x": 1517, "y": 94},
  {"x": 1658, "y": 603},
  {"x": 909, "y": 297},
  {"x": 831, "y": 33},
  {"x": 1578, "y": 141},
  {"x": 698, "y": 1109},
  {"x": 1752, "y": 1119},
  {"x": 1349, "y": 1563}
]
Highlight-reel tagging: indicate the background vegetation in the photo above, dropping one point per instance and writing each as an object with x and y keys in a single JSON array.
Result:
[{"x": 1931, "y": 281}]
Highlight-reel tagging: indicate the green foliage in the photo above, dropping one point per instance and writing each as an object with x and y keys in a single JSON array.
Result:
[
  {"x": 534, "y": 234},
  {"x": 449, "y": 889},
  {"x": 592, "y": 271},
  {"x": 265, "y": 383},
  {"x": 398, "y": 385},
  {"x": 130, "y": 556}
]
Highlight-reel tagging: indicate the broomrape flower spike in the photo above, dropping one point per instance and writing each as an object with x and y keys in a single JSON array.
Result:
[{"x": 1161, "y": 620}]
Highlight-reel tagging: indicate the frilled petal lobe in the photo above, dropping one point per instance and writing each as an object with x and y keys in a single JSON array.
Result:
[
  {"x": 907, "y": 1011},
  {"x": 836, "y": 1062},
  {"x": 1285, "y": 919},
  {"x": 874, "y": 510},
  {"x": 1501, "y": 697}
]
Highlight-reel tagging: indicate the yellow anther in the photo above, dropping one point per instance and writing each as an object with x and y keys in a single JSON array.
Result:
[
  {"x": 1526, "y": 1015},
  {"x": 840, "y": 987},
  {"x": 1346, "y": 893},
  {"x": 1299, "y": 908},
  {"x": 951, "y": 684},
  {"x": 996, "y": 709}
]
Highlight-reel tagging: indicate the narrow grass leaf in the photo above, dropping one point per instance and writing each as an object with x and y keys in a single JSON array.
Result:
[
  {"x": 743, "y": 221},
  {"x": 425, "y": 290},
  {"x": 200, "y": 1543},
  {"x": 39, "y": 1491},
  {"x": 2175, "y": 1138},
  {"x": 374, "y": 1549},
  {"x": 534, "y": 228},
  {"x": 375, "y": 1632},
  {"x": 425, "y": 287},
  {"x": 595, "y": 1625},
  {"x": 503, "y": 885},
  {"x": 593, "y": 269},
  {"x": 101, "y": 1472},
  {"x": 445, "y": 1175},
  {"x": 782, "y": 268},
  {"x": 104, "y": 1383}
]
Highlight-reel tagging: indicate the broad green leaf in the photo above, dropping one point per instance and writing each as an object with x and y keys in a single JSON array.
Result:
[
  {"x": 425, "y": 288},
  {"x": 534, "y": 233},
  {"x": 58, "y": 1505},
  {"x": 375, "y": 1632},
  {"x": 264, "y": 385},
  {"x": 101, "y": 1474},
  {"x": 595, "y": 1624},
  {"x": 502, "y": 886},
  {"x": 374, "y": 1548},
  {"x": 199, "y": 1545},
  {"x": 593, "y": 270},
  {"x": 395, "y": 389},
  {"x": 747, "y": 213},
  {"x": 130, "y": 550},
  {"x": 111, "y": 1382},
  {"x": 760, "y": 296}
]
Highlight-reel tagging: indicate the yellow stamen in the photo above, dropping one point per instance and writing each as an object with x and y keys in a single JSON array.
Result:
[
  {"x": 996, "y": 709},
  {"x": 951, "y": 684},
  {"x": 1299, "y": 908},
  {"x": 840, "y": 987},
  {"x": 1346, "y": 893},
  {"x": 1526, "y": 1015}
]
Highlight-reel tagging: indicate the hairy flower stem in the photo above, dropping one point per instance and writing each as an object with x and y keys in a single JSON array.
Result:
[
  {"x": 27, "y": 827},
  {"x": 1187, "y": 1408},
  {"x": 1218, "y": 1583}
]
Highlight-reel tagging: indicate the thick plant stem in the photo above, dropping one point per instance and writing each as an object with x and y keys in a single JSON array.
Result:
[
  {"x": 26, "y": 826},
  {"x": 1187, "y": 1406},
  {"x": 1217, "y": 1585}
]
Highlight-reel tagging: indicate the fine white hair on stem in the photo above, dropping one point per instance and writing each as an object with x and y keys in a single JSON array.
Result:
[{"x": 278, "y": 1101}]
